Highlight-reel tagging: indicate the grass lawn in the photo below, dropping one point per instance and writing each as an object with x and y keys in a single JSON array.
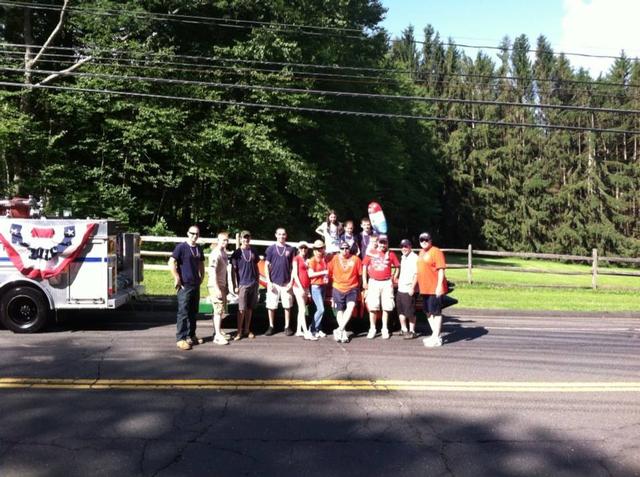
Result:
[{"x": 507, "y": 290}]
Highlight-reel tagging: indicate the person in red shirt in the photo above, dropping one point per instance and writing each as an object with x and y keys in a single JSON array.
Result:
[
  {"x": 301, "y": 290},
  {"x": 379, "y": 272},
  {"x": 432, "y": 286},
  {"x": 344, "y": 270}
]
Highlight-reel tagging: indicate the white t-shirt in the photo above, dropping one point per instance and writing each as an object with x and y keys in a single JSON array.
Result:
[{"x": 408, "y": 271}]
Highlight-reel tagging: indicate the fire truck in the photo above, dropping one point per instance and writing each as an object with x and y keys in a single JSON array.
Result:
[{"x": 48, "y": 265}]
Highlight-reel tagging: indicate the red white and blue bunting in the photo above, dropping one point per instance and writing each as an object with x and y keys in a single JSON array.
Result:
[{"x": 40, "y": 251}]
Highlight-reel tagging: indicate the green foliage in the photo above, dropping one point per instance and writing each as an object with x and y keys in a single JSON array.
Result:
[{"x": 225, "y": 166}]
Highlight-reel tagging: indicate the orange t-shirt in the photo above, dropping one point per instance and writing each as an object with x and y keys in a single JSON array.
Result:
[
  {"x": 318, "y": 266},
  {"x": 345, "y": 273},
  {"x": 429, "y": 263}
]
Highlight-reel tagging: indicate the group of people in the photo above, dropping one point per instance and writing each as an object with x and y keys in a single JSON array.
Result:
[{"x": 342, "y": 266}]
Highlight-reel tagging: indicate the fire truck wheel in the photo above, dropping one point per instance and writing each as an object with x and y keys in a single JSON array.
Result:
[{"x": 24, "y": 310}]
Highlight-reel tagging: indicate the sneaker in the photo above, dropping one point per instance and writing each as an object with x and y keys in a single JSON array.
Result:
[
  {"x": 269, "y": 331},
  {"x": 432, "y": 342},
  {"x": 310, "y": 336},
  {"x": 237, "y": 337},
  {"x": 183, "y": 345},
  {"x": 300, "y": 333},
  {"x": 371, "y": 334},
  {"x": 321, "y": 334},
  {"x": 226, "y": 336},
  {"x": 194, "y": 340},
  {"x": 337, "y": 334},
  {"x": 220, "y": 340},
  {"x": 344, "y": 337},
  {"x": 288, "y": 331},
  {"x": 251, "y": 335},
  {"x": 410, "y": 335},
  {"x": 385, "y": 334},
  {"x": 402, "y": 332}
]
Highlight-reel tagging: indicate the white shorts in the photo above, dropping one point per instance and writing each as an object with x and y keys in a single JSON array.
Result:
[
  {"x": 277, "y": 293},
  {"x": 380, "y": 294}
]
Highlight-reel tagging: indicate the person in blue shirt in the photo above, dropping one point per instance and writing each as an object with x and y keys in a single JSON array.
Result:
[{"x": 187, "y": 267}]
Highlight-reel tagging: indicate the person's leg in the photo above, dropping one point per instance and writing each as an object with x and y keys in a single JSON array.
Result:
[
  {"x": 182, "y": 316},
  {"x": 272, "y": 305},
  {"x": 317, "y": 294},
  {"x": 241, "y": 314},
  {"x": 286, "y": 297},
  {"x": 301, "y": 322},
  {"x": 194, "y": 304},
  {"x": 385, "y": 324}
]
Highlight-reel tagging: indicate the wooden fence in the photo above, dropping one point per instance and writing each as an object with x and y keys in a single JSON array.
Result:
[{"x": 594, "y": 259}]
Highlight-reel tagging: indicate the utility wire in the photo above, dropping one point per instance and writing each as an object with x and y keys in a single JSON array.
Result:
[
  {"x": 318, "y": 92},
  {"x": 413, "y": 72},
  {"x": 284, "y": 27},
  {"x": 321, "y": 110}
]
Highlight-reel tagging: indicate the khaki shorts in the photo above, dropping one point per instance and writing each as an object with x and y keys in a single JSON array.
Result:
[
  {"x": 219, "y": 304},
  {"x": 380, "y": 295},
  {"x": 277, "y": 293}
]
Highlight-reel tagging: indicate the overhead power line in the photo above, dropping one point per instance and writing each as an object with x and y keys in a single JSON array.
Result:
[
  {"x": 317, "y": 92},
  {"x": 321, "y": 110},
  {"x": 284, "y": 27},
  {"x": 415, "y": 73}
]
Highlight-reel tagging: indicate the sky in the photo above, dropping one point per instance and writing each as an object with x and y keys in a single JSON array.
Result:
[{"x": 595, "y": 27}]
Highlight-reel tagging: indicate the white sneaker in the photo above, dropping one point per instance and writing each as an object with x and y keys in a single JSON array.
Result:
[
  {"x": 371, "y": 334},
  {"x": 299, "y": 333},
  {"x": 432, "y": 341},
  {"x": 219, "y": 339},
  {"x": 226, "y": 336},
  {"x": 309, "y": 336},
  {"x": 344, "y": 337},
  {"x": 321, "y": 334},
  {"x": 385, "y": 334},
  {"x": 336, "y": 334}
]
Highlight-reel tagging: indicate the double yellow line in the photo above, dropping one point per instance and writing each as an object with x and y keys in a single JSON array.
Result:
[{"x": 323, "y": 385}]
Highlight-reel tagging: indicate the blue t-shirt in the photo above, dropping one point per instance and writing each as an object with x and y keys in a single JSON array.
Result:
[
  {"x": 281, "y": 260},
  {"x": 245, "y": 264},
  {"x": 188, "y": 259}
]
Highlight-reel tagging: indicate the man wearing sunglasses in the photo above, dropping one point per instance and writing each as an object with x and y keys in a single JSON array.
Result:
[
  {"x": 432, "y": 286},
  {"x": 345, "y": 271},
  {"x": 187, "y": 267}
]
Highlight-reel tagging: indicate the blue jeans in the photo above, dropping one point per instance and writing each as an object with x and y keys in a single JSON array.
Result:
[
  {"x": 188, "y": 303},
  {"x": 317, "y": 294}
]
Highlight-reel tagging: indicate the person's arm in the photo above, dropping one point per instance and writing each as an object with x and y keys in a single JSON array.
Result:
[
  {"x": 321, "y": 228},
  {"x": 214, "y": 263},
  {"x": 173, "y": 267},
  {"x": 365, "y": 285},
  {"x": 294, "y": 273},
  {"x": 440, "y": 285},
  {"x": 313, "y": 273},
  {"x": 235, "y": 276},
  {"x": 414, "y": 280},
  {"x": 396, "y": 269}
]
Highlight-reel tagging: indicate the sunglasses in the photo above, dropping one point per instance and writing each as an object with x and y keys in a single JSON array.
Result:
[
  {"x": 193, "y": 233},
  {"x": 424, "y": 241},
  {"x": 344, "y": 248}
]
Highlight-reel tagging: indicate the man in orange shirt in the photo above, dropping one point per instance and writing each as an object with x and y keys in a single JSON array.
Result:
[
  {"x": 432, "y": 285},
  {"x": 344, "y": 270}
]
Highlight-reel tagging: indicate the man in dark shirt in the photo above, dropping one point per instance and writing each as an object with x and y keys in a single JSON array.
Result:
[
  {"x": 279, "y": 262},
  {"x": 187, "y": 267},
  {"x": 244, "y": 263}
]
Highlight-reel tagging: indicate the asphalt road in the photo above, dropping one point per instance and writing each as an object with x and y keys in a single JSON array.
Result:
[{"x": 109, "y": 394}]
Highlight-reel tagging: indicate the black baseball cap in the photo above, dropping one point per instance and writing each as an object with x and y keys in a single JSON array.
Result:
[{"x": 405, "y": 243}]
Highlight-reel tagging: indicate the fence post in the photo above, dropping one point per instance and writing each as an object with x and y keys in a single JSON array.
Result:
[
  {"x": 469, "y": 264},
  {"x": 238, "y": 240},
  {"x": 594, "y": 269}
]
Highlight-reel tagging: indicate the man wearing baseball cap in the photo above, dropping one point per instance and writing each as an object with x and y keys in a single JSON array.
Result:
[
  {"x": 244, "y": 265},
  {"x": 379, "y": 271},
  {"x": 406, "y": 296},
  {"x": 432, "y": 285}
]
